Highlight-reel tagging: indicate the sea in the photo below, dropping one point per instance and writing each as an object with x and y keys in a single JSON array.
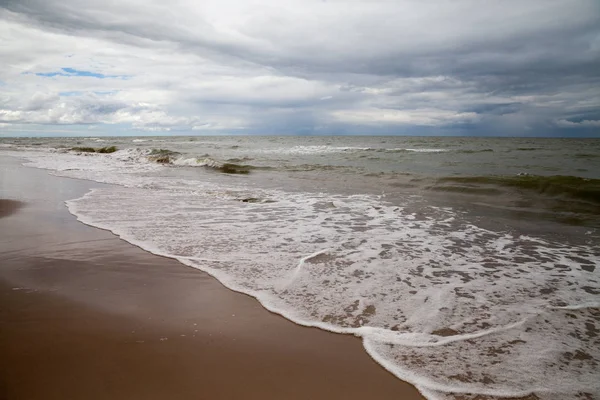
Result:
[{"x": 469, "y": 267}]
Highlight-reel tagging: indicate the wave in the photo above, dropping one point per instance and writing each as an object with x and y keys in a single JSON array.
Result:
[
  {"x": 466, "y": 189},
  {"x": 236, "y": 165},
  {"x": 174, "y": 158},
  {"x": 586, "y": 155},
  {"x": 556, "y": 185},
  {"x": 163, "y": 156},
  {"x": 326, "y": 149},
  {"x": 475, "y": 151},
  {"x": 308, "y": 150},
  {"x": 406, "y": 150},
  {"x": 592, "y": 304},
  {"x": 316, "y": 167},
  {"x": 429, "y": 150},
  {"x": 238, "y": 160},
  {"x": 209, "y": 163},
  {"x": 226, "y": 168}
]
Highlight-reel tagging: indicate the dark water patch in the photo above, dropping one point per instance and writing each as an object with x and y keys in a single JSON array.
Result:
[
  {"x": 8, "y": 207},
  {"x": 590, "y": 289},
  {"x": 231, "y": 168},
  {"x": 588, "y": 267},
  {"x": 400, "y": 150},
  {"x": 534, "y": 201},
  {"x": 255, "y": 200},
  {"x": 109, "y": 149},
  {"x": 475, "y": 151},
  {"x": 465, "y": 189},
  {"x": 104, "y": 150},
  {"x": 162, "y": 156},
  {"x": 84, "y": 149},
  {"x": 238, "y": 160},
  {"x": 556, "y": 185},
  {"x": 571, "y": 219},
  {"x": 445, "y": 332},
  {"x": 374, "y": 174},
  {"x": 163, "y": 152},
  {"x": 586, "y": 215},
  {"x": 315, "y": 167},
  {"x": 389, "y": 175},
  {"x": 586, "y": 155},
  {"x": 161, "y": 159},
  {"x": 527, "y": 148}
]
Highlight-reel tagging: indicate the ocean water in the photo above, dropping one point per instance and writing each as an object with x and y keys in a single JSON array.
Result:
[{"x": 469, "y": 267}]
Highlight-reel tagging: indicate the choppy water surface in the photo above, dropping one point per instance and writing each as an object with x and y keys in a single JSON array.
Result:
[{"x": 470, "y": 267}]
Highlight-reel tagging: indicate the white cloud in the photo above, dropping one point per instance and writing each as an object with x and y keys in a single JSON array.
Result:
[{"x": 276, "y": 66}]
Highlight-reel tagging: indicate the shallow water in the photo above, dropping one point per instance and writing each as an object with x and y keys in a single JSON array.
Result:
[{"x": 466, "y": 265}]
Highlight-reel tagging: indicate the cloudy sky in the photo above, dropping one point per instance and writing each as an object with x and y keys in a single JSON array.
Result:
[{"x": 409, "y": 67}]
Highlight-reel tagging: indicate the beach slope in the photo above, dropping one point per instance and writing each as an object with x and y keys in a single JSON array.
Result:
[{"x": 85, "y": 315}]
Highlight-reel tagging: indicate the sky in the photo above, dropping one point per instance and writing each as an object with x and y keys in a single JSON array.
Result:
[{"x": 300, "y": 67}]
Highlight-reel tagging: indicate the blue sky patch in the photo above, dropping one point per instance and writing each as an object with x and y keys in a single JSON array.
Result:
[
  {"x": 50, "y": 74},
  {"x": 73, "y": 93},
  {"x": 77, "y": 72},
  {"x": 105, "y": 92},
  {"x": 79, "y": 93}
]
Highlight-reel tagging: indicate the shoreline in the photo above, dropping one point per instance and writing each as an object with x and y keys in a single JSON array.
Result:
[{"x": 88, "y": 315}]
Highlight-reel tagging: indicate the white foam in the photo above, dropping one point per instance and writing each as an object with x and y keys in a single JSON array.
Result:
[
  {"x": 208, "y": 162},
  {"x": 425, "y": 150},
  {"x": 593, "y": 304},
  {"x": 190, "y": 162},
  {"x": 441, "y": 303},
  {"x": 307, "y": 150}
]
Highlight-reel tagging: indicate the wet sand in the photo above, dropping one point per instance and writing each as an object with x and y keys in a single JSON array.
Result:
[{"x": 85, "y": 315}]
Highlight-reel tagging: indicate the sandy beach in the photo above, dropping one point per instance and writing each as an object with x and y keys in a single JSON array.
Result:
[{"x": 85, "y": 315}]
